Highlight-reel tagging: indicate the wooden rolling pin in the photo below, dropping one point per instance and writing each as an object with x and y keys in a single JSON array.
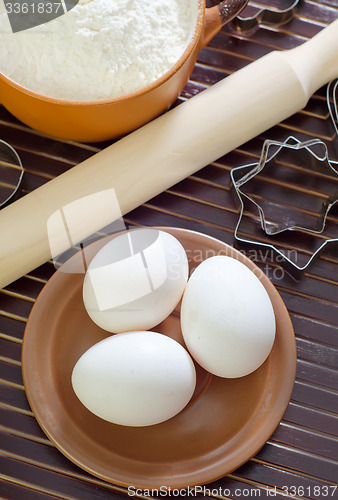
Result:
[{"x": 165, "y": 151}]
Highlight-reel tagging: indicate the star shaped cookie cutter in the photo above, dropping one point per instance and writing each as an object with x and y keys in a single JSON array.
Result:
[{"x": 240, "y": 176}]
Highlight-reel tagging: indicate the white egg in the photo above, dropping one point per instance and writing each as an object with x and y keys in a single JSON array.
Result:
[
  {"x": 135, "y": 281},
  {"x": 135, "y": 378},
  {"x": 227, "y": 318}
]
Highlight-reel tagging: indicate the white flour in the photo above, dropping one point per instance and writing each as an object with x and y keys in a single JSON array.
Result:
[{"x": 100, "y": 49}]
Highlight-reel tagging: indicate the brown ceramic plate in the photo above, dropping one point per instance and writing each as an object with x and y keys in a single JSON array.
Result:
[{"x": 226, "y": 422}]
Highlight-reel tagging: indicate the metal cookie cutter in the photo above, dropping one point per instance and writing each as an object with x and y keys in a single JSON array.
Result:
[
  {"x": 265, "y": 16},
  {"x": 240, "y": 176},
  {"x": 11, "y": 173}
]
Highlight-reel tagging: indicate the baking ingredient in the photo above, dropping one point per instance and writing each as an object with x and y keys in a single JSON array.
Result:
[
  {"x": 135, "y": 378},
  {"x": 227, "y": 318},
  {"x": 136, "y": 280},
  {"x": 100, "y": 49}
]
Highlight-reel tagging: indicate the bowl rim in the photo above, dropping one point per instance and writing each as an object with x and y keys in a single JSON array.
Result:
[{"x": 131, "y": 95}]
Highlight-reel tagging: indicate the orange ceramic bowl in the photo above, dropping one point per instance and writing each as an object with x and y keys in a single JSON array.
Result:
[{"x": 100, "y": 120}]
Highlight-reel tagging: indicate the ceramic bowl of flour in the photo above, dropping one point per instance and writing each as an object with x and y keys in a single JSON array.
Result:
[{"x": 93, "y": 75}]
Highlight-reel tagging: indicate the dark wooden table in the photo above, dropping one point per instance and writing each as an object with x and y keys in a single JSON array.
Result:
[{"x": 300, "y": 460}]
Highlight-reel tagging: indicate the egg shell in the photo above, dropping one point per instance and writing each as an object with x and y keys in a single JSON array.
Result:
[
  {"x": 135, "y": 378},
  {"x": 135, "y": 281},
  {"x": 227, "y": 318}
]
